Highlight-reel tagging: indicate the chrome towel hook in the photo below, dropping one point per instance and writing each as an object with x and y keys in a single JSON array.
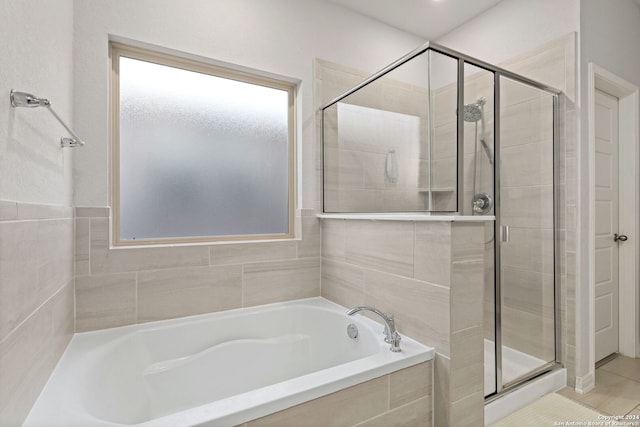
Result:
[{"x": 23, "y": 99}]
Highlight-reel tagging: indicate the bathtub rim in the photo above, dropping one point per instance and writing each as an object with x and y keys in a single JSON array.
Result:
[{"x": 244, "y": 407}]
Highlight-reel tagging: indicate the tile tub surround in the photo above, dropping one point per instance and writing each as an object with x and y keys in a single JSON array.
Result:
[
  {"x": 36, "y": 300},
  {"x": 401, "y": 398},
  {"x": 433, "y": 289},
  {"x": 116, "y": 287}
]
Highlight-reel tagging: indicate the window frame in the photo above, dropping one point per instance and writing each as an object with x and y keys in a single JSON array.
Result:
[{"x": 204, "y": 66}]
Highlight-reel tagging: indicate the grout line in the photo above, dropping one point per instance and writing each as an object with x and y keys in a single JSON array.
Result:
[
  {"x": 90, "y": 245},
  {"x": 637, "y": 408},
  {"x": 35, "y": 310},
  {"x": 413, "y": 264},
  {"x": 242, "y": 287},
  {"x": 137, "y": 317},
  {"x": 388, "y": 392},
  {"x": 622, "y": 376},
  {"x": 320, "y": 257}
]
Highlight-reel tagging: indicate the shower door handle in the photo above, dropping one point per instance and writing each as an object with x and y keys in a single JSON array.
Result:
[
  {"x": 619, "y": 237},
  {"x": 504, "y": 233}
]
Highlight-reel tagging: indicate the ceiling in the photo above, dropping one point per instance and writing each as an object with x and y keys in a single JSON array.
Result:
[{"x": 428, "y": 19}]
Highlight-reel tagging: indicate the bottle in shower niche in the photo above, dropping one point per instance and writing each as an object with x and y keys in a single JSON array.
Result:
[{"x": 391, "y": 167}]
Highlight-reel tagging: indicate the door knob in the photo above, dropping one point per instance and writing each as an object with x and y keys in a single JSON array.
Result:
[{"x": 619, "y": 237}]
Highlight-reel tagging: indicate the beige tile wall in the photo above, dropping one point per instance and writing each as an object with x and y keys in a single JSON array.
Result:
[
  {"x": 432, "y": 288},
  {"x": 402, "y": 398},
  {"x": 116, "y": 287},
  {"x": 36, "y": 301},
  {"x": 354, "y": 173}
]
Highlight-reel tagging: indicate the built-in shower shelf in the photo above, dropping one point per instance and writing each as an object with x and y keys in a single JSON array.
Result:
[{"x": 405, "y": 217}]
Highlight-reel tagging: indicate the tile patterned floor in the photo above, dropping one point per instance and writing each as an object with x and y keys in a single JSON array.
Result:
[{"x": 617, "y": 390}]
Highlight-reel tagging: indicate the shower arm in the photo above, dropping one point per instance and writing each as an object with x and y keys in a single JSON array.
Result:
[{"x": 23, "y": 99}]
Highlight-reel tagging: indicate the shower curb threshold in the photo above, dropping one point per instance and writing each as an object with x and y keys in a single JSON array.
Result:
[{"x": 529, "y": 393}]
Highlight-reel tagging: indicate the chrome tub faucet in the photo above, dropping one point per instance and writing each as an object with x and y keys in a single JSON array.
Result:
[{"x": 391, "y": 335}]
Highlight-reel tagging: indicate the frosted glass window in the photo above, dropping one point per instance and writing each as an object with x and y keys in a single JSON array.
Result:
[{"x": 201, "y": 155}]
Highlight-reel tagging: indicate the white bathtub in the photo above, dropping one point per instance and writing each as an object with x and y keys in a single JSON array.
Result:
[{"x": 218, "y": 369}]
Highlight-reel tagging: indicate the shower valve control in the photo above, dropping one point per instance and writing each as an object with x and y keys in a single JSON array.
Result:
[{"x": 619, "y": 237}]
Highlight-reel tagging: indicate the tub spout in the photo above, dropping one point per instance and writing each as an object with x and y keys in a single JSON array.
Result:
[{"x": 391, "y": 335}]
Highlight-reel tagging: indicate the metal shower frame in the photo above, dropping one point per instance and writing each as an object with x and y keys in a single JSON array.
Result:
[{"x": 498, "y": 72}]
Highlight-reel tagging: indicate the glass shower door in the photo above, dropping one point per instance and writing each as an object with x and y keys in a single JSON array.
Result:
[{"x": 525, "y": 225}]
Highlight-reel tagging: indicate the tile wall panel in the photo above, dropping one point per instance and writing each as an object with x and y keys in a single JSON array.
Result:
[
  {"x": 166, "y": 294},
  {"x": 347, "y": 407},
  {"x": 402, "y": 398},
  {"x": 26, "y": 360},
  {"x": 432, "y": 255},
  {"x": 269, "y": 282},
  {"x": 342, "y": 283},
  {"x": 421, "y": 309},
  {"x": 36, "y": 301},
  {"x": 433, "y": 292},
  {"x": 386, "y": 246},
  {"x": 129, "y": 285},
  {"x": 105, "y": 301}
]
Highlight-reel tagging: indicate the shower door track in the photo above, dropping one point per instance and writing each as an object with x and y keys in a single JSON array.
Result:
[{"x": 523, "y": 380}]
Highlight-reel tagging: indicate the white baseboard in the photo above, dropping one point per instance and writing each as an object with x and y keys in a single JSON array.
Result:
[{"x": 585, "y": 384}]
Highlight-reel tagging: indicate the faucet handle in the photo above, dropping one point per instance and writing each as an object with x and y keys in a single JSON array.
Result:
[
  {"x": 395, "y": 342},
  {"x": 391, "y": 335},
  {"x": 388, "y": 334}
]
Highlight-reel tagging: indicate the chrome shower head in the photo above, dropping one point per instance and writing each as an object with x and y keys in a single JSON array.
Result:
[{"x": 472, "y": 113}]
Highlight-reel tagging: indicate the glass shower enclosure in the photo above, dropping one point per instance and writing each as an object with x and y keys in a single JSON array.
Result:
[{"x": 440, "y": 132}]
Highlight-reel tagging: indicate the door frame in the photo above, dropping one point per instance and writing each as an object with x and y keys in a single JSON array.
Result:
[
  {"x": 610, "y": 105},
  {"x": 629, "y": 209}
]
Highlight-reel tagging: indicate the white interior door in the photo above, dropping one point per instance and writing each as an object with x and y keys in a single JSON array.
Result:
[{"x": 606, "y": 226}]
